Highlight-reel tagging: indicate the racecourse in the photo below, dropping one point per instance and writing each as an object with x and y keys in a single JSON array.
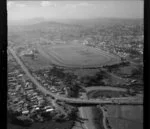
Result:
[{"x": 77, "y": 55}]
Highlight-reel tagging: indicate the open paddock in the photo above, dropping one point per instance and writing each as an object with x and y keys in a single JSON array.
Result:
[
  {"x": 125, "y": 117},
  {"x": 39, "y": 62}
]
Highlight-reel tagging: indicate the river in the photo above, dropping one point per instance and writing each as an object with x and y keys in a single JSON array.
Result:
[{"x": 116, "y": 116}]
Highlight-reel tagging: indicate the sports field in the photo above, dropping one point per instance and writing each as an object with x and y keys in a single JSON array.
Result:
[{"x": 77, "y": 55}]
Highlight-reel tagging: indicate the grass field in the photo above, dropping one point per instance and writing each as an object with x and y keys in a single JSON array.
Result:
[
  {"x": 125, "y": 117},
  {"x": 76, "y": 55}
]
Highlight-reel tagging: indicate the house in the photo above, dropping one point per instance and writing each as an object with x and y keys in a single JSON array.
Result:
[
  {"x": 46, "y": 85},
  {"x": 34, "y": 94},
  {"x": 37, "y": 108},
  {"x": 25, "y": 112},
  {"x": 20, "y": 75},
  {"x": 48, "y": 110}
]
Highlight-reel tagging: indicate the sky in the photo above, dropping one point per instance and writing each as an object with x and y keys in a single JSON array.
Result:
[{"x": 21, "y": 10}]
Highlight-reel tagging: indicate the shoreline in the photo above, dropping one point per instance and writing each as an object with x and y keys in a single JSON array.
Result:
[
  {"x": 104, "y": 117},
  {"x": 89, "y": 116}
]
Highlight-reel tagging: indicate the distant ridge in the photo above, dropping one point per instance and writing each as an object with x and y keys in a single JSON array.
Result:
[
  {"x": 83, "y": 22},
  {"x": 27, "y": 21},
  {"x": 98, "y": 21}
]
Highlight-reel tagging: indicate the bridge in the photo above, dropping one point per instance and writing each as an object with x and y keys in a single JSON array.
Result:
[
  {"x": 124, "y": 101},
  {"x": 110, "y": 101}
]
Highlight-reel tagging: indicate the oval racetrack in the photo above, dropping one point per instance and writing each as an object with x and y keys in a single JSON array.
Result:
[{"x": 77, "y": 56}]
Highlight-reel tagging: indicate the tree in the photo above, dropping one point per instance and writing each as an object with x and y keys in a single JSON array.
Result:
[
  {"x": 59, "y": 117},
  {"x": 73, "y": 89}
]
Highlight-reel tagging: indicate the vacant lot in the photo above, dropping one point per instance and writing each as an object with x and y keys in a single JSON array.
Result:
[
  {"x": 39, "y": 62},
  {"x": 76, "y": 55}
]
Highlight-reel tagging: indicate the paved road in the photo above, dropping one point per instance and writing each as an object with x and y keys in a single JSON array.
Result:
[{"x": 132, "y": 100}]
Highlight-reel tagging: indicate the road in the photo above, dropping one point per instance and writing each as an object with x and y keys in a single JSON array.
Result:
[{"x": 132, "y": 100}]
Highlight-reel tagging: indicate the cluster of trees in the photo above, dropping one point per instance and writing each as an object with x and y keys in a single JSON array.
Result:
[
  {"x": 95, "y": 80},
  {"x": 117, "y": 66},
  {"x": 69, "y": 79},
  {"x": 70, "y": 113},
  {"x": 137, "y": 73},
  {"x": 12, "y": 118}
]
